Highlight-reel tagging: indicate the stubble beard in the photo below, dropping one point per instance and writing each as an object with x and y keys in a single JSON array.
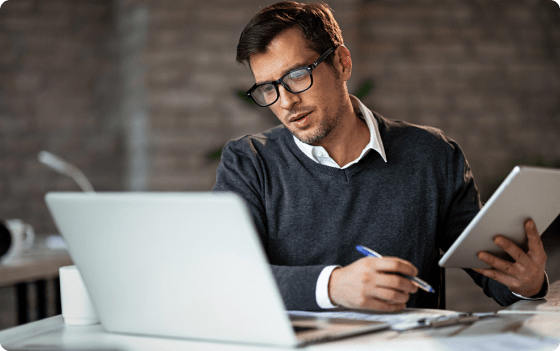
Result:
[{"x": 324, "y": 129}]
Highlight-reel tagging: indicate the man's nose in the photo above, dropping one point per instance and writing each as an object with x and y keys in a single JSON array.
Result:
[{"x": 287, "y": 99}]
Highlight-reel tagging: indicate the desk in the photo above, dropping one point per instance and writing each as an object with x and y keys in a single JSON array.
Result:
[
  {"x": 35, "y": 266},
  {"x": 537, "y": 328}
]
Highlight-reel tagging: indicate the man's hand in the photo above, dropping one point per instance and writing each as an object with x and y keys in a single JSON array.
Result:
[
  {"x": 525, "y": 276},
  {"x": 370, "y": 283}
]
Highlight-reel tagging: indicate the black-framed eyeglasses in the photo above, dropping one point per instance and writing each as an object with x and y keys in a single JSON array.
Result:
[{"x": 296, "y": 81}]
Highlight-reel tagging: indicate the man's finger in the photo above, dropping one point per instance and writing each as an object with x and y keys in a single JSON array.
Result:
[
  {"x": 390, "y": 295},
  {"x": 393, "y": 265},
  {"x": 533, "y": 237},
  {"x": 396, "y": 282},
  {"x": 496, "y": 275},
  {"x": 536, "y": 249},
  {"x": 512, "y": 250},
  {"x": 380, "y": 305},
  {"x": 497, "y": 264}
]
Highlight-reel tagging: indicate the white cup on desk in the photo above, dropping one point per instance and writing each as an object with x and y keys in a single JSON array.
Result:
[
  {"x": 22, "y": 237},
  {"x": 77, "y": 308}
]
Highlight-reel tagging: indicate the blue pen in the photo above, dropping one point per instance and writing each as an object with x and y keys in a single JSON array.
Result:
[{"x": 419, "y": 282}]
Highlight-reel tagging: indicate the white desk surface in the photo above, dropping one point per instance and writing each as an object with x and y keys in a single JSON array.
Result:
[{"x": 539, "y": 330}]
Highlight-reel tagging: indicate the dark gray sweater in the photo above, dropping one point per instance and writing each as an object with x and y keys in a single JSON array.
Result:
[{"x": 309, "y": 215}]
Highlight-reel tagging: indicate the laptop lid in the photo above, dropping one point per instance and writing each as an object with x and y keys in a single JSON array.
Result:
[{"x": 186, "y": 265}]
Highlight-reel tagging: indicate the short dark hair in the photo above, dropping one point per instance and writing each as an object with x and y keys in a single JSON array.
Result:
[{"x": 315, "y": 20}]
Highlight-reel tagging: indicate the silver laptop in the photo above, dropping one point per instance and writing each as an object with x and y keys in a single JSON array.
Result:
[{"x": 186, "y": 265}]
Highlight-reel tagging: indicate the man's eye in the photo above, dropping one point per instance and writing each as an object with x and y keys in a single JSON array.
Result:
[
  {"x": 298, "y": 75},
  {"x": 268, "y": 89}
]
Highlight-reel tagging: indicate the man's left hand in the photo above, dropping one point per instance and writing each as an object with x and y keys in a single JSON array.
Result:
[{"x": 525, "y": 276}]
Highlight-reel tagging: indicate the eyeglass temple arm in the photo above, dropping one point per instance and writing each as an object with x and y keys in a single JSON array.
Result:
[{"x": 322, "y": 58}]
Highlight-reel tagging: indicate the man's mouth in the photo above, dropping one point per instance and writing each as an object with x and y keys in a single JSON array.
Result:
[{"x": 298, "y": 117}]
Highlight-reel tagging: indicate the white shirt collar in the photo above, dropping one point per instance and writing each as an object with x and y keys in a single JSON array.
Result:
[{"x": 320, "y": 155}]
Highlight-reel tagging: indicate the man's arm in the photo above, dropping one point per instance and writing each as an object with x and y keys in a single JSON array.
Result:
[
  {"x": 242, "y": 171},
  {"x": 505, "y": 278}
]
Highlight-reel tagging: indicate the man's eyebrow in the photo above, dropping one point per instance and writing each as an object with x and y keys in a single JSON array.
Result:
[{"x": 286, "y": 71}]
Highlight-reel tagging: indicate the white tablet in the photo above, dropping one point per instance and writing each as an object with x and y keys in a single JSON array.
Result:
[{"x": 527, "y": 192}]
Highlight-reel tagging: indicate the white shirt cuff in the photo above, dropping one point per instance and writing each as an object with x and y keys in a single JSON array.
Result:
[
  {"x": 322, "y": 289},
  {"x": 547, "y": 282}
]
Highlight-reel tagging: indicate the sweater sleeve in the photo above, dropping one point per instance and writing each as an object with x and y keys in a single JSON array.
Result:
[
  {"x": 242, "y": 171},
  {"x": 464, "y": 205}
]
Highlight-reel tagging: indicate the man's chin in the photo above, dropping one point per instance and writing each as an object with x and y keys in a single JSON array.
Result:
[{"x": 308, "y": 138}]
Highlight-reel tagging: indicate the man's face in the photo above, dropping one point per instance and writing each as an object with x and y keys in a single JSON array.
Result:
[{"x": 313, "y": 114}]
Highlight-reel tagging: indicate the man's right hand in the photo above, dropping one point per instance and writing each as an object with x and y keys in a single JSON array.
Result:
[{"x": 371, "y": 283}]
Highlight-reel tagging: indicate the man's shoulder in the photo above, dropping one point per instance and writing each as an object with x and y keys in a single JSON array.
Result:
[
  {"x": 405, "y": 131},
  {"x": 271, "y": 134},
  {"x": 268, "y": 139}
]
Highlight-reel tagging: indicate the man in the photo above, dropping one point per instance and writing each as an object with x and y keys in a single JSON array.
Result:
[{"x": 335, "y": 175}]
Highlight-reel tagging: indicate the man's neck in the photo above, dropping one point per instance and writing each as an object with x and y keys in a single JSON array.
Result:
[{"x": 346, "y": 142}]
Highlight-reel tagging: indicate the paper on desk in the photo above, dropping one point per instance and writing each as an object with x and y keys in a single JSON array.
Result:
[
  {"x": 490, "y": 342},
  {"x": 402, "y": 320},
  {"x": 551, "y": 304}
]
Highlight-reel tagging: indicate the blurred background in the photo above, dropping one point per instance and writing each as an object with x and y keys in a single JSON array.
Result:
[{"x": 142, "y": 94}]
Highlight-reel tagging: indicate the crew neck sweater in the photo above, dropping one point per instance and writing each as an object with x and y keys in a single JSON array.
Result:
[{"x": 309, "y": 216}]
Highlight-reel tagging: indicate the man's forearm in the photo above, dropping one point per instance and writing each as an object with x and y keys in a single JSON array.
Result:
[{"x": 298, "y": 286}]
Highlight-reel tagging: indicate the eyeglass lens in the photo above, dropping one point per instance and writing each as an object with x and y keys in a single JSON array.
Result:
[{"x": 295, "y": 81}]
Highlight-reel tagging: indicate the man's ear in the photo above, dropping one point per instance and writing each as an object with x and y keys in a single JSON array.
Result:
[{"x": 343, "y": 62}]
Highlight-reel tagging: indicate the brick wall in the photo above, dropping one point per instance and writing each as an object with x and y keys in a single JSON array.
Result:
[
  {"x": 58, "y": 92},
  {"x": 486, "y": 72},
  {"x": 139, "y": 93},
  {"x": 192, "y": 81}
]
